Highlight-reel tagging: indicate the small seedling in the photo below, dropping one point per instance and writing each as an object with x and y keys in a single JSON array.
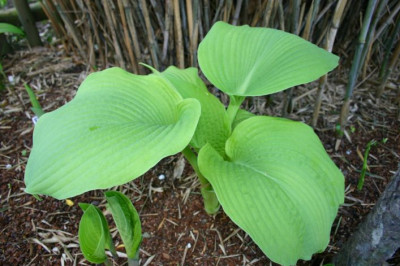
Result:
[
  {"x": 36, "y": 107},
  {"x": 271, "y": 175},
  {"x": 370, "y": 144}
]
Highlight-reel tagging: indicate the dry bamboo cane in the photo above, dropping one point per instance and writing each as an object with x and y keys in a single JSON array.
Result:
[
  {"x": 70, "y": 28},
  {"x": 189, "y": 12},
  {"x": 227, "y": 10},
  {"x": 113, "y": 28},
  {"x": 265, "y": 7},
  {"x": 195, "y": 35},
  {"x": 288, "y": 104},
  {"x": 150, "y": 36},
  {"x": 127, "y": 40},
  {"x": 355, "y": 68},
  {"x": 93, "y": 24},
  {"x": 166, "y": 33},
  {"x": 128, "y": 10},
  {"x": 178, "y": 35},
  {"x": 237, "y": 12},
  {"x": 330, "y": 39},
  {"x": 281, "y": 14},
  {"x": 392, "y": 62}
]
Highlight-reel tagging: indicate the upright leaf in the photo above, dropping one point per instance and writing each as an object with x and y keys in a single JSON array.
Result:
[
  {"x": 94, "y": 235},
  {"x": 9, "y": 28},
  {"x": 278, "y": 184},
  {"x": 127, "y": 220},
  {"x": 245, "y": 61},
  {"x": 117, "y": 127},
  {"x": 213, "y": 126}
]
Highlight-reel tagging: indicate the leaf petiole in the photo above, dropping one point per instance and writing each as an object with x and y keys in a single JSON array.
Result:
[
  {"x": 211, "y": 203},
  {"x": 233, "y": 107}
]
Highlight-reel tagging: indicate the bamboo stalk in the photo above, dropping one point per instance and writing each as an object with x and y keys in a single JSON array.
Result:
[
  {"x": 112, "y": 25},
  {"x": 169, "y": 9},
  {"x": 310, "y": 20},
  {"x": 189, "y": 12},
  {"x": 206, "y": 8},
  {"x": 268, "y": 12},
  {"x": 330, "y": 39},
  {"x": 281, "y": 16},
  {"x": 128, "y": 11},
  {"x": 217, "y": 12},
  {"x": 355, "y": 66},
  {"x": 178, "y": 36},
  {"x": 127, "y": 40},
  {"x": 265, "y": 7},
  {"x": 158, "y": 11},
  {"x": 237, "y": 12},
  {"x": 389, "y": 20},
  {"x": 295, "y": 9},
  {"x": 227, "y": 10},
  {"x": 71, "y": 29},
  {"x": 92, "y": 22},
  {"x": 387, "y": 71},
  {"x": 150, "y": 35},
  {"x": 195, "y": 35},
  {"x": 366, "y": 53}
]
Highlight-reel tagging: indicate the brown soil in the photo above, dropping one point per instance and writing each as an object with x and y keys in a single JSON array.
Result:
[{"x": 176, "y": 229}]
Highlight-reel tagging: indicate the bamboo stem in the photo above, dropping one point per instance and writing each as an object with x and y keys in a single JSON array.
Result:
[
  {"x": 330, "y": 39},
  {"x": 150, "y": 35},
  {"x": 355, "y": 66},
  {"x": 392, "y": 63},
  {"x": 178, "y": 36}
]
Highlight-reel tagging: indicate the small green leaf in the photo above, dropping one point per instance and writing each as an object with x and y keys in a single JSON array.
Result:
[
  {"x": 245, "y": 61},
  {"x": 9, "y": 28},
  {"x": 117, "y": 127},
  {"x": 127, "y": 220},
  {"x": 213, "y": 126},
  {"x": 278, "y": 184},
  {"x": 94, "y": 235},
  {"x": 36, "y": 107}
]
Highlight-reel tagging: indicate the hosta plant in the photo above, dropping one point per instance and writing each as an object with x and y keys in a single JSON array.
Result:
[{"x": 271, "y": 175}]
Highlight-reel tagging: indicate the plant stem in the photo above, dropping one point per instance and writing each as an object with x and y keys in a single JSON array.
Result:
[
  {"x": 365, "y": 164},
  {"x": 211, "y": 203},
  {"x": 234, "y": 105},
  {"x": 133, "y": 262}
]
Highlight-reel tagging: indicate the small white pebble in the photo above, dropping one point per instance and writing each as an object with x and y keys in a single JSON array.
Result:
[
  {"x": 8, "y": 166},
  {"x": 35, "y": 119},
  {"x": 11, "y": 79},
  {"x": 189, "y": 245},
  {"x": 56, "y": 250},
  {"x": 161, "y": 177},
  {"x": 348, "y": 152}
]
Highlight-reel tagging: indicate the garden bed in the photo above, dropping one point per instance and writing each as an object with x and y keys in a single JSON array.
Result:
[{"x": 176, "y": 229}]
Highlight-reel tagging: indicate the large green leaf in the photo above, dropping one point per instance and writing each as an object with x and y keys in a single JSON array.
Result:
[
  {"x": 117, "y": 127},
  {"x": 245, "y": 61},
  {"x": 9, "y": 28},
  {"x": 278, "y": 184},
  {"x": 127, "y": 220},
  {"x": 213, "y": 126},
  {"x": 94, "y": 235}
]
